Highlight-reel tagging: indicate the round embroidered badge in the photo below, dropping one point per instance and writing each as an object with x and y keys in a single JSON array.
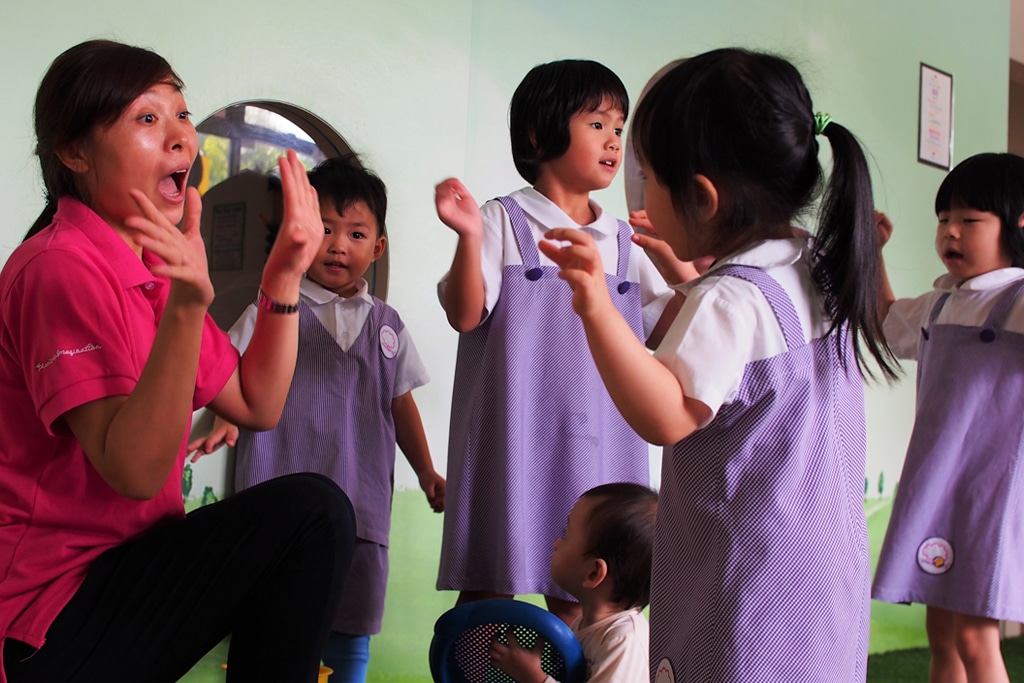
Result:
[
  {"x": 388, "y": 341},
  {"x": 935, "y": 555},
  {"x": 664, "y": 673}
]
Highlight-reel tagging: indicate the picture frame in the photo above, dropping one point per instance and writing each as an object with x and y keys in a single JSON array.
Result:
[{"x": 935, "y": 118}]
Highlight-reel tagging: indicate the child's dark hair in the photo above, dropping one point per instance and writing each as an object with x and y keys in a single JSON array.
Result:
[
  {"x": 744, "y": 120},
  {"x": 344, "y": 181},
  {"x": 87, "y": 86},
  {"x": 992, "y": 182},
  {"x": 547, "y": 99},
  {"x": 621, "y": 532}
]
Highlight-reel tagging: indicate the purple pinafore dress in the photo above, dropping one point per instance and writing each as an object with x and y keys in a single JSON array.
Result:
[
  {"x": 532, "y": 427},
  {"x": 957, "y": 527},
  {"x": 337, "y": 422},
  {"x": 761, "y": 552}
]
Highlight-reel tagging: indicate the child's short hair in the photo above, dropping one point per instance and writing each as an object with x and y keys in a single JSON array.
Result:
[
  {"x": 344, "y": 181},
  {"x": 547, "y": 99},
  {"x": 620, "y": 531},
  {"x": 992, "y": 182}
]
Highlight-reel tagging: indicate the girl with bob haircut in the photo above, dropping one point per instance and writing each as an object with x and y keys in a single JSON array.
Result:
[
  {"x": 532, "y": 425},
  {"x": 960, "y": 503},
  {"x": 106, "y": 349},
  {"x": 761, "y": 556}
]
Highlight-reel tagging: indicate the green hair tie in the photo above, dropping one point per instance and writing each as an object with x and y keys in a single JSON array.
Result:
[{"x": 820, "y": 121}]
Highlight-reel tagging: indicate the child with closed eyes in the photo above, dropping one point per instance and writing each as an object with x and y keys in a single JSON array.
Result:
[
  {"x": 956, "y": 521},
  {"x": 532, "y": 426}
]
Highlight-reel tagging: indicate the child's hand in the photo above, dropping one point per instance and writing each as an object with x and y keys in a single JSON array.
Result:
[
  {"x": 222, "y": 433},
  {"x": 581, "y": 268},
  {"x": 457, "y": 209},
  {"x": 521, "y": 664},
  {"x": 883, "y": 226},
  {"x": 433, "y": 484},
  {"x": 671, "y": 268},
  {"x": 182, "y": 250},
  {"x": 302, "y": 230}
]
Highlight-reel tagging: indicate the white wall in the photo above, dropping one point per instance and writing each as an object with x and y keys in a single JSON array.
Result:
[{"x": 421, "y": 90}]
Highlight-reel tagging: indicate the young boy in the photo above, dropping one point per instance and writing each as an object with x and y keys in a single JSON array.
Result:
[
  {"x": 604, "y": 560},
  {"x": 350, "y": 400}
]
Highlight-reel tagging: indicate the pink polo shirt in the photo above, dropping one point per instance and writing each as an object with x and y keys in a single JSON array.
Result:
[{"x": 78, "y": 315}]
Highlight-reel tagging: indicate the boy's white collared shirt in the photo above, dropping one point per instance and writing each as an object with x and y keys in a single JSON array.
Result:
[{"x": 343, "y": 318}]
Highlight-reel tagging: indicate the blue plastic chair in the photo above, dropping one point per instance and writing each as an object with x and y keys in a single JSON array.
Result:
[{"x": 459, "y": 650}]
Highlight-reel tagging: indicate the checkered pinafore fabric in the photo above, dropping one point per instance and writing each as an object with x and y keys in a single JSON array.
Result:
[
  {"x": 532, "y": 427},
  {"x": 957, "y": 526},
  {"x": 761, "y": 556}
]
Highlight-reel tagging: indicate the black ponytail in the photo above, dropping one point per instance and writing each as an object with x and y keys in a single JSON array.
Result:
[{"x": 846, "y": 266}]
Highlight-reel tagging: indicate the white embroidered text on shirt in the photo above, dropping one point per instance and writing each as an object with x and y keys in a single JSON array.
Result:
[{"x": 68, "y": 352}]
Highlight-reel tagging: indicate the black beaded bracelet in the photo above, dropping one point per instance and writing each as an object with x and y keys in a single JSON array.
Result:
[{"x": 271, "y": 306}]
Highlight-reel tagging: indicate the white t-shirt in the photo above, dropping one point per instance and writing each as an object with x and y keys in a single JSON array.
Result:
[
  {"x": 616, "y": 648},
  {"x": 969, "y": 304},
  {"x": 500, "y": 249},
  {"x": 727, "y": 323},
  {"x": 343, "y": 319}
]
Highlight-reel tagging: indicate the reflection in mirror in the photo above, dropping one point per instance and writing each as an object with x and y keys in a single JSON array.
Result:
[{"x": 236, "y": 172}]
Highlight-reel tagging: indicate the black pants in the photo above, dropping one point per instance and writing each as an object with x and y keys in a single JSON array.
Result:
[{"x": 265, "y": 565}]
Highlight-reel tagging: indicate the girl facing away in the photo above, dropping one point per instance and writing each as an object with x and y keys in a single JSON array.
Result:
[
  {"x": 761, "y": 556},
  {"x": 956, "y": 524},
  {"x": 106, "y": 349},
  {"x": 532, "y": 425}
]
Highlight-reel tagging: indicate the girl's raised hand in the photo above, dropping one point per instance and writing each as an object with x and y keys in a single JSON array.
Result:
[
  {"x": 457, "y": 209},
  {"x": 671, "y": 268},
  {"x": 182, "y": 251},
  {"x": 581, "y": 267},
  {"x": 302, "y": 229}
]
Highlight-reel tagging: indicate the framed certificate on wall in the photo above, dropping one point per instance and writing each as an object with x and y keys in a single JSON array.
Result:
[{"x": 935, "y": 118}]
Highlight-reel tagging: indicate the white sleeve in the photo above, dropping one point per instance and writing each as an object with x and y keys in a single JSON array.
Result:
[
  {"x": 410, "y": 372},
  {"x": 241, "y": 332},
  {"x": 902, "y": 326},
  {"x": 708, "y": 346}
]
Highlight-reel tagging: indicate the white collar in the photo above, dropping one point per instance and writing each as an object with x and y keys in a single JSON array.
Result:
[
  {"x": 545, "y": 212},
  {"x": 764, "y": 254},
  {"x": 990, "y": 280},
  {"x": 318, "y": 294}
]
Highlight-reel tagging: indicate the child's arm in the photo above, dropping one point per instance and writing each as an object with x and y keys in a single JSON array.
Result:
[
  {"x": 646, "y": 392},
  {"x": 464, "y": 295},
  {"x": 521, "y": 664},
  {"x": 222, "y": 433},
  {"x": 885, "y": 294},
  {"x": 412, "y": 440}
]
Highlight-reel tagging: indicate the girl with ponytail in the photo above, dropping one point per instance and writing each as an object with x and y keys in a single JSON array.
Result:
[{"x": 761, "y": 554}]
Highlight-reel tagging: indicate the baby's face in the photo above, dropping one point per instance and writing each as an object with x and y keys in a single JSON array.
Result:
[
  {"x": 570, "y": 561},
  {"x": 352, "y": 241}
]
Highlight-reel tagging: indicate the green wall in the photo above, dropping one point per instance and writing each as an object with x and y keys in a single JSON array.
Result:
[{"x": 421, "y": 90}]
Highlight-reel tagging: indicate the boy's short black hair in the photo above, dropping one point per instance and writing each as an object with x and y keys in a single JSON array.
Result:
[
  {"x": 992, "y": 182},
  {"x": 547, "y": 99},
  {"x": 344, "y": 181},
  {"x": 620, "y": 531}
]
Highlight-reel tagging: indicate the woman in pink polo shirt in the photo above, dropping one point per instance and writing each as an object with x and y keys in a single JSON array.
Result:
[{"x": 106, "y": 349}]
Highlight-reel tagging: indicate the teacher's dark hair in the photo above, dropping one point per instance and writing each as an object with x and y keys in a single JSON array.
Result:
[{"x": 87, "y": 86}]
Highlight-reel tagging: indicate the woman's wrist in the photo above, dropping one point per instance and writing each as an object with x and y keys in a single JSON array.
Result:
[{"x": 265, "y": 303}]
